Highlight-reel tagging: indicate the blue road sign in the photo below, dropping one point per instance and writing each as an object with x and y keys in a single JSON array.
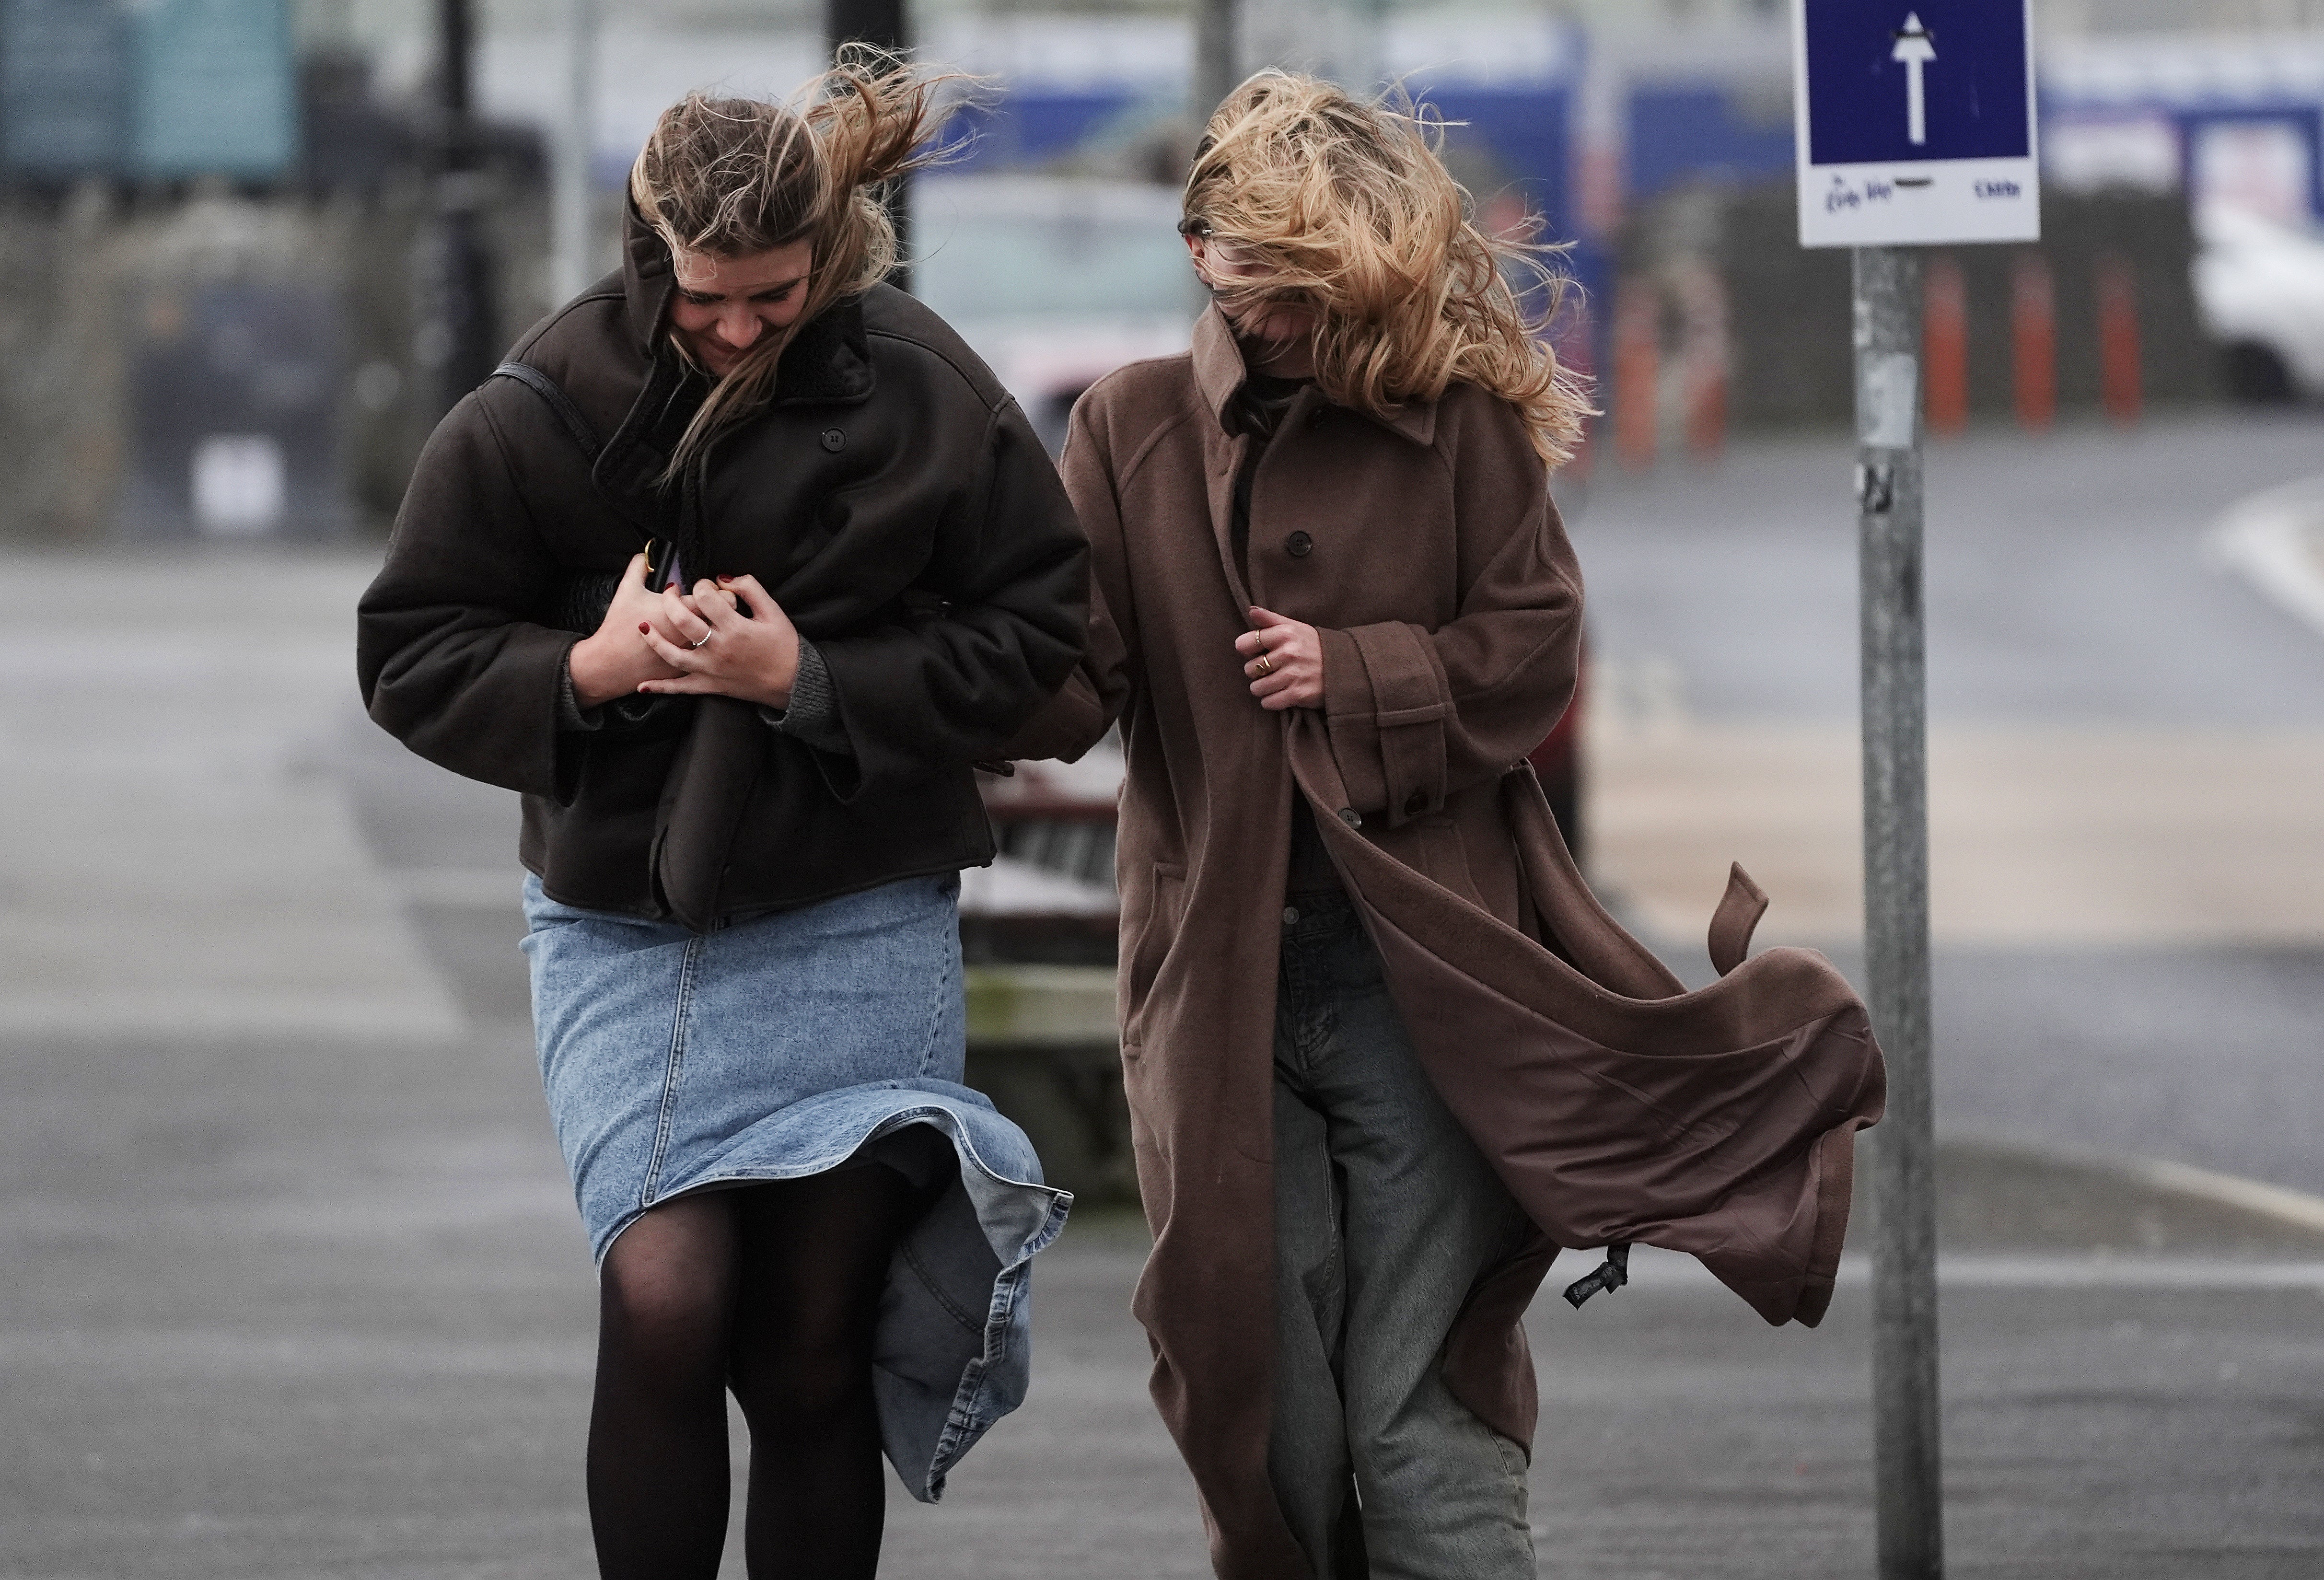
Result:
[{"x": 1915, "y": 122}]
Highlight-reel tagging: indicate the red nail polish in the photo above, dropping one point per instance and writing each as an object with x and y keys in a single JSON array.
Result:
[
  {"x": 644, "y": 629},
  {"x": 725, "y": 579}
]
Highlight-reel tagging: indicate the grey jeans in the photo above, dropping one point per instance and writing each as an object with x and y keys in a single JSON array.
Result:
[{"x": 1384, "y": 1214}]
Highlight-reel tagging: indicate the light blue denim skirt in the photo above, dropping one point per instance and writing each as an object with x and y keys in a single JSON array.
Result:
[{"x": 788, "y": 1045}]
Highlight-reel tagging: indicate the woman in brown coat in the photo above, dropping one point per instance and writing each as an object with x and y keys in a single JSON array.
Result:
[{"x": 1383, "y": 1051}]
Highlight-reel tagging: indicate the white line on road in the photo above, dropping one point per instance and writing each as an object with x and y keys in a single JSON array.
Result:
[
  {"x": 1665, "y": 1269},
  {"x": 2275, "y": 540}
]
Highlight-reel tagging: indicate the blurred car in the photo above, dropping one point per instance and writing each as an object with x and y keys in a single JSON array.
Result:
[
  {"x": 1054, "y": 281},
  {"x": 2260, "y": 285},
  {"x": 1048, "y": 896}
]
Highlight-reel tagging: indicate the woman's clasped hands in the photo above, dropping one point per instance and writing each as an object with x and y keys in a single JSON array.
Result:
[{"x": 693, "y": 643}]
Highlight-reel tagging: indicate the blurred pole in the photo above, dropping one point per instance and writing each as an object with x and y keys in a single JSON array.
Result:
[
  {"x": 2120, "y": 385},
  {"x": 2034, "y": 340},
  {"x": 1216, "y": 52},
  {"x": 1369, "y": 73},
  {"x": 1907, "y": 1451},
  {"x": 1702, "y": 298},
  {"x": 1638, "y": 372},
  {"x": 881, "y": 23},
  {"x": 1946, "y": 344},
  {"x": 572, "y": 226},
  {"x": 458, "y": 339}
]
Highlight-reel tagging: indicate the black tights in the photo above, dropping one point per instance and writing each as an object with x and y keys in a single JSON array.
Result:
[{"x": 771, "y": 1290}]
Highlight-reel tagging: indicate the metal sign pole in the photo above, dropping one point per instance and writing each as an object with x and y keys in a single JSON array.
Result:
[
  {"x": 573, "y": 229},
  {"x": 459, "y": 338},
  {"x": 1896, "y": 912},
  {"x": 1909, "y": 132},
  {"x": 888, "y": 24},
  {"x": 1217, "y": 48}
]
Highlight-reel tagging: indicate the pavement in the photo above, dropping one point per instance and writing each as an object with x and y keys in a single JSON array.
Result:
[
  {"x": 291, "y": 1284},
  {"x": 2127, "y": 765}
]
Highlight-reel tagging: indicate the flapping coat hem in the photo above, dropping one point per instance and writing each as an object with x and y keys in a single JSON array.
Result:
[{"x": 1720, "y": 1122}]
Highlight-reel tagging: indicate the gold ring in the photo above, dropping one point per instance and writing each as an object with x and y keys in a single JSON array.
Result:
[{"x": 1266, "y": 664}]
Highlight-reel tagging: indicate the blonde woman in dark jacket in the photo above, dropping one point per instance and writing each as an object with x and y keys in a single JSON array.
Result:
[{"x": 734, "y": 576}]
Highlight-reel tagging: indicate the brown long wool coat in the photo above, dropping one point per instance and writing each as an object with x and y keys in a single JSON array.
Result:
[{"x": 1615, "y": 1107}]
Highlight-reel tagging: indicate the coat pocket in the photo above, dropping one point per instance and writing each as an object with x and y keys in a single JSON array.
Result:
[{"x": 1147, "y": 943}]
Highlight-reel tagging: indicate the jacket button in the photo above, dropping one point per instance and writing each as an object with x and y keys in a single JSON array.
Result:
[
  {"x": 1416, "y": 803},
  {"x": 833, "y": 440},
  {"x": 1352, "y": 817},
  {"x": 1297, "y": 545}
]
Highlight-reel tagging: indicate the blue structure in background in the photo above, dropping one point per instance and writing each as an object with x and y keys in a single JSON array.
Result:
[
  {"x": 1686, "y": 132},
  {"x": 2305, "y": 120},
  {"x": 2189, "y": 112},
  {"x": 1028, "y": 129},
  {"x": 1528, "y": 130}
]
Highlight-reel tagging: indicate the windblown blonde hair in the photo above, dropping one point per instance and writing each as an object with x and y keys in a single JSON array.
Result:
[
  {"x": 1344, "y": 206},
  {"x": 732, "y": 177}
]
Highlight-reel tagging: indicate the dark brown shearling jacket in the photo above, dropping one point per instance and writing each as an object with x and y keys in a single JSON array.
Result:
[
  {"x": 892, "y": 499},
  {"x": 1615, "y": 1105}
]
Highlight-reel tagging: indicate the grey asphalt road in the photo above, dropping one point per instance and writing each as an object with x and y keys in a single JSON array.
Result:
[
  {"x": 2067, "y": 584},
  {"x": 298, "y": 1302},
  {"x": 2067, "y": 580},
  {"x": 309, "y": 1307}
]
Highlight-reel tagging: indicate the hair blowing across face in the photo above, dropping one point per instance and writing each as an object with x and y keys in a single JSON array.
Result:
[
  {"x": 1344, "y": 206},
  {"x": 734, "y": 177}
]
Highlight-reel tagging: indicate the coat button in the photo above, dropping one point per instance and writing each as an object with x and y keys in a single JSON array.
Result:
[
  {"x": 1416, "y": 803},
  {"x": 1352, "y": 817},
  {"x": 1297, "y": 545},
  {"x": 833, "y": 440}
]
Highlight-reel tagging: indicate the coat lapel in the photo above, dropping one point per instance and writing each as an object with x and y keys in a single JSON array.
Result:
[{"x": 1219, "y": 374}]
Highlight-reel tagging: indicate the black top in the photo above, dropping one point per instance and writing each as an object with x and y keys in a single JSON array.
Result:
[
  {"x": 1258, "y": 410},
  {"x": 892, "y": 497}
]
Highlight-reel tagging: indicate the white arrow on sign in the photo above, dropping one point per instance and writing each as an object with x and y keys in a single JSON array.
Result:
[{"x": 1917, "y": 46}]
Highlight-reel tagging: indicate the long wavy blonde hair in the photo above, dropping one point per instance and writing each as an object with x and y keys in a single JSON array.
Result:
[
  {"x": 732, "y": 177},
  {"x": 1344, "y": 206}
]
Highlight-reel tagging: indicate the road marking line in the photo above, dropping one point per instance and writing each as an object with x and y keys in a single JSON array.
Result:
[
  {"x": 2252, "y": 1195},
  {"x": 1670, "y": 1269},
  {"x": 2275, "y": 540}
]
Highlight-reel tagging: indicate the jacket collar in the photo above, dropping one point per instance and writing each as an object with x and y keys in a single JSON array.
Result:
[
  {"x": 1220, "y": 374},
  {"x": 646, "y": 281},
  {"x": 829, "y": 359}
]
